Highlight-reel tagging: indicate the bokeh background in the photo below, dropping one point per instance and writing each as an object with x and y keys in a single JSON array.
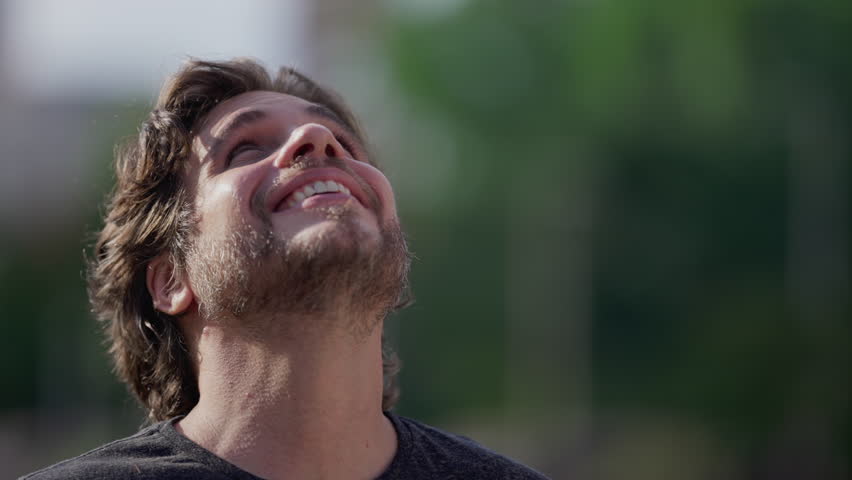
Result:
[{"x": 631, "y": 218}]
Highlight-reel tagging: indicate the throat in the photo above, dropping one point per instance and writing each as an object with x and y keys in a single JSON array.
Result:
[{"x": 321, "y": 405}]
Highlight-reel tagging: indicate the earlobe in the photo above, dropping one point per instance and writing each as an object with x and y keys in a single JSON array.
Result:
[{"x": 169, "y": 291}]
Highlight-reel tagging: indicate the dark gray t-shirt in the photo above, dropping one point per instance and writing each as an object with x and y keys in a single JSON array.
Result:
[{"x": 160, "y": 452}]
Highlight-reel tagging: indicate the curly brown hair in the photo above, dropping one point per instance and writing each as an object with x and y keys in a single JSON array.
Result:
[{"x": 149, "y": 214}]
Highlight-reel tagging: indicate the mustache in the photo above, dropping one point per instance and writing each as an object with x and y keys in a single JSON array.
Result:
[{"x": 302, "y": 164}]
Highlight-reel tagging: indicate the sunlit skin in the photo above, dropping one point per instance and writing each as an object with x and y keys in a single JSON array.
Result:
[
  {"x": 225, "y": 188},
  {"x": 298, "y": 402}
]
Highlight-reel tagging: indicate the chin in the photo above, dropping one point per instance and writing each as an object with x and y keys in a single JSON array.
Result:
[
  {"x": 338, "y": 230},
  {"x": 341, "y": 256}
]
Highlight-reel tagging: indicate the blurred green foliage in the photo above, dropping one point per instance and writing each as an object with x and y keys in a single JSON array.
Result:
[{"x": 714, "y": 135}]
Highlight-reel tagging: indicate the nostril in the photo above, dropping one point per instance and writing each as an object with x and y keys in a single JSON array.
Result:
[
  {"x": 329, "y": 150},
  {"x": 303, "y": 150}
]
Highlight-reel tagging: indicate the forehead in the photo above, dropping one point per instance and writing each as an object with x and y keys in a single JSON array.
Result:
[{"x": 258, "y": 100}]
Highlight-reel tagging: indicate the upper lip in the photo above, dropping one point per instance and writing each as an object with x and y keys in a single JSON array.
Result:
[{"x": 281, "y": 192}]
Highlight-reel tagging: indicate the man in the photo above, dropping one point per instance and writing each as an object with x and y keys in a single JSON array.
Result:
[{"x": 250, "y": 253}]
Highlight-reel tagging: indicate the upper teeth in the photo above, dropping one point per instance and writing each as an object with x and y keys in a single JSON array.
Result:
[{"x": 316, "y": 188}]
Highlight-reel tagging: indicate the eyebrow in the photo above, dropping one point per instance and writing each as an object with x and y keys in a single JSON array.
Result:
[
  {"x": 243, "y": 119},
  {"x": 248, "y": 117},
  {"x": 329, "y": 114}
]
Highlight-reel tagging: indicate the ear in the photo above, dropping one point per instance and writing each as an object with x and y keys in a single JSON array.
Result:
[{"x": 170, "y": 291}]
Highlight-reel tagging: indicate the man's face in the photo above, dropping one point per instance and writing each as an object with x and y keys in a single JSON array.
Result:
[{"x": 292, "y": 217}]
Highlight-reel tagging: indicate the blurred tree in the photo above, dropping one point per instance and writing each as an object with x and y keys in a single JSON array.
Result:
[{"x": 672, "y": 180}]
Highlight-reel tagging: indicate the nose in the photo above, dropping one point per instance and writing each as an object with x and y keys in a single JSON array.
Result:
[{"x": 309, "y": 139}]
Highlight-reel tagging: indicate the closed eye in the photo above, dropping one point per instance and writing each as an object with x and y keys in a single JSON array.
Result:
[
  {"x": 243, "y": 147},
  {"x": 346, "y": 144},
  {"x": 247, "y": 150}
]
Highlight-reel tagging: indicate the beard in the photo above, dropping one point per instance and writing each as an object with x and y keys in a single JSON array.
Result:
[{"x": 253, "y": 273}]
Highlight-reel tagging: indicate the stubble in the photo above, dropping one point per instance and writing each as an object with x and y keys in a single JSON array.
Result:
[{"x": 254, "y": 274}]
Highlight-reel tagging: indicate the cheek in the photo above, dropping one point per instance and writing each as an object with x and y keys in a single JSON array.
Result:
[
  {"x": 221, "y": 204},
  {"x": 376, "y": 179}
]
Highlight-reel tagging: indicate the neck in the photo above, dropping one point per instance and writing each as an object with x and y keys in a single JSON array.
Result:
[{"x": 285, "y": 405}]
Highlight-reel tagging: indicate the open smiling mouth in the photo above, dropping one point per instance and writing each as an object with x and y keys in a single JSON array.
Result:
[{"x": 329, "y": 189}]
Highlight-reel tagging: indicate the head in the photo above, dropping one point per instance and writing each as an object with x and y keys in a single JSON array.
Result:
[{"x": 213, "y": 213}]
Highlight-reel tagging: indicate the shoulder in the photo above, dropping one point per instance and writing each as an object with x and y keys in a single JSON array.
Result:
[
  {"x": 430, "y": 449},
  {"x": 148, "y": 454}
]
